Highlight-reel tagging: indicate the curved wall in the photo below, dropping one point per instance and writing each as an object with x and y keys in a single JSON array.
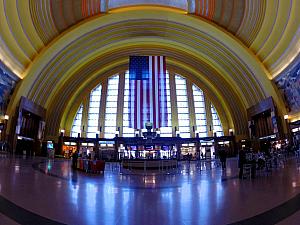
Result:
[{"x": 79, "y": 57}]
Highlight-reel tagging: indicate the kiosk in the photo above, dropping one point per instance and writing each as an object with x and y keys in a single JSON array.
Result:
[{"x": 50, "y": 149}]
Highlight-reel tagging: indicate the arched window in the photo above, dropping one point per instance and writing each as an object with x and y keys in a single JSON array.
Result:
[
  {"x": 183, "y": 110},
  {"x": 111, "y": 107},
  {"x": 217, "y": 126},
  {"x": 200, "y": 114},
  {"x": 76, "y": 126},
  {"x": 182, "y": 107},
  {"x": 93, "y": 112}
]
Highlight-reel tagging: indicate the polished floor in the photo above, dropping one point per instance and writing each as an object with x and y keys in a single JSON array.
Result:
[{"x": 40, "y": 191}]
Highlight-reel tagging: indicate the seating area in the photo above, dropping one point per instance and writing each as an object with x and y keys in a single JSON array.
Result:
[{"x": 260, "y": 164}]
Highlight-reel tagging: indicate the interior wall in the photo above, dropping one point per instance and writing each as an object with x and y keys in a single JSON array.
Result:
[
  {"x": 101, "y": 44},
  {"x": 288, "y": 82},
  {"x": 8, "y": 81}
]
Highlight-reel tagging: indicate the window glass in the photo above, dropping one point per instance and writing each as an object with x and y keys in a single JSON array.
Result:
[
  {"x": 200, "y": 113},
  {"x": 93, "y": 111},
  {"x": 182, "y": 106},
  {"x": 111, "y": 107},
  {"x": 112, "y": 104},
  {"x": 76, "y": 126},
  {"x": 217, "y": 126}
]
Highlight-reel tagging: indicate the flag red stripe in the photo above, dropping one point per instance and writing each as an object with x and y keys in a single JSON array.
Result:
[
  {"x": 149, "y": 97},
  {"x": 154, "y": 91}
]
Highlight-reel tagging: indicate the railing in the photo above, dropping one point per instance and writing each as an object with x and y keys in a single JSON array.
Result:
[{"x": 149, "y": 165}]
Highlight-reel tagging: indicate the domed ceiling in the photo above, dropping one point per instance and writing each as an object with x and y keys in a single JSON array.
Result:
[
  {"x": 269, "y": 28},
  {"x": 267, "y": 31}
]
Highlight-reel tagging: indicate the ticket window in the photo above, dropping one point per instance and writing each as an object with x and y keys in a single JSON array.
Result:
[
  {"x": 189, "y": 150},
  {"x": 207, "y": 150},
  {"x": 87, "y": 150}
]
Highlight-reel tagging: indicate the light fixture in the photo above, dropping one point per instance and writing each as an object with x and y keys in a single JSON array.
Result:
[
  {"x": 286, "y": 117},
  {"x": 6, "y": 117},
  {"x": 230, "y": 130},
  {"x": 62, "y": 131}
]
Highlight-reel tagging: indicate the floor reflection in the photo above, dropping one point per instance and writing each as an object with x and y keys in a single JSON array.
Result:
[{"x": 200, "y": 193}]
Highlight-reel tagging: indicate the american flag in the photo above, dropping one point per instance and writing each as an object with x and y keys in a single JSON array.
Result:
[{"x": 147, "y": 91}]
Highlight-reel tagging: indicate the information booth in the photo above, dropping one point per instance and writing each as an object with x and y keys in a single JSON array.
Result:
[{"x": 148, "y": 150}]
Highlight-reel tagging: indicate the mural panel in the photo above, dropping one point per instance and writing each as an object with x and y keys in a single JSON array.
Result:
[
  {"x": 8, "y": 81},
  {"x": 289, "y": 85}
]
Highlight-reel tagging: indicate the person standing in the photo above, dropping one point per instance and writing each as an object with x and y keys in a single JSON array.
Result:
[
  {"x": 223, "y": 156},
  {"x": 74, "y": 160},
  {"x": 242, "y": 161}
]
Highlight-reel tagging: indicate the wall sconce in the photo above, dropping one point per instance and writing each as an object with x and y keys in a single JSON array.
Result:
[
  {"x": 286, "y": 117},
  {"x": 6, "y": 117}
]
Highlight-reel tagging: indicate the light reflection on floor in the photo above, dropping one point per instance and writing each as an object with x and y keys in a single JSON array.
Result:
[{"x": 195, "y": 194}]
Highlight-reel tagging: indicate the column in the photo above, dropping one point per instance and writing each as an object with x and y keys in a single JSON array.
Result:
[
  {"x": 102, "y": 108},
  {"x": 120, "y": 103},
  {"x": 173, "y": 103},
  {"x": 85, "y": 111},
  {"x": 209, "y": 122}
]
